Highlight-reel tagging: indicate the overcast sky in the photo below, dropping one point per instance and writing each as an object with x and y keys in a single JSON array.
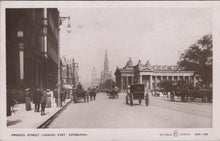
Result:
[{"x": 155, "y": 34}]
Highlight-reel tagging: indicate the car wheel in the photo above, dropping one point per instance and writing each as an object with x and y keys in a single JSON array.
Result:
[
  {"x": 131, "y": 100},
  {"x": 139, "y": 101},
  {"x": 147, "y": 102}
]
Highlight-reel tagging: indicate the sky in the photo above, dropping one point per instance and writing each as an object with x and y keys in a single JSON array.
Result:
[{"x": 159, "y": 35}]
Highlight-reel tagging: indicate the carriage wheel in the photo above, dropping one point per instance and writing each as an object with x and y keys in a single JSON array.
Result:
[
  {"x": 126, "y": 99},
  {"x": 139, "y": 101},
  {"x": 131, "y": 100}
]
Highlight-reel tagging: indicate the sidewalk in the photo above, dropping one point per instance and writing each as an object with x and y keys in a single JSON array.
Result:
[{"x": 30, "y": 119}]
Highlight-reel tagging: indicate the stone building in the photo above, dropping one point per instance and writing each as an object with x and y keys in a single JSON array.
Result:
[
  {"x": 32, "y": 48},
  {"x": 151, "y": 75},
  {"x": 69, "y": 73}
]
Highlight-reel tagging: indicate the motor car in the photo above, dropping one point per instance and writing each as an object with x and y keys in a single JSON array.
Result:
[{"x": 137, "y": 92}]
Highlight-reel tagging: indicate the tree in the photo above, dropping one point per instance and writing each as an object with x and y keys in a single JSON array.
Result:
[{"x": 198, "y": 58}]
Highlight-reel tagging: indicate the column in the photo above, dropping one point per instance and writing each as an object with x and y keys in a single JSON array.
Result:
[
  {"x": 132, "y": 79},
  {"x": 194, "y": 81},
  {"x": 121, "y": 82},
  {"x": 178, "y": 78},
  {"x": 155, "y": 82},
  {"x": 172, "y": 78},
  {"x": 151, "y": 82},
  {"x": 140, "y": 79},
  {"x": 126, "y": 81}
]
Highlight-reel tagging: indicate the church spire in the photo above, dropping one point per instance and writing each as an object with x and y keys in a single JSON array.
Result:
[{"x": 106, "y": 67}]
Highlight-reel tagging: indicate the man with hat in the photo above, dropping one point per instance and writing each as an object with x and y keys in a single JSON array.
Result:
[{"x": 27, "y": 99}]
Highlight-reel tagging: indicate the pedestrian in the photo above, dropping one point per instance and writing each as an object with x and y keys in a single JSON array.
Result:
[
  {"x": 43, "y": 101},
  {"x": 37, "y": 99},
  {"x": 48, "y": 104},
  {"x": 52, "y": 94},
  {"x": 56, "y": 96},
  {"x": 27, "y": 99},
  {"x": 64, "y": 95},
  {"x": 9, "y": 102}
]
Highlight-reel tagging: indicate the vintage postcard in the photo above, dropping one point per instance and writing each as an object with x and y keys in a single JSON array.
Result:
[{"x": 112, "y": 70}]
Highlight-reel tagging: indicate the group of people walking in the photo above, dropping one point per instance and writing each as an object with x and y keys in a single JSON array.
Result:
[{"x": 42, "y": 98}]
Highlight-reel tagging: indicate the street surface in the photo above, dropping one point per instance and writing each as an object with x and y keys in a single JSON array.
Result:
[{"x": 114, "y": 113}]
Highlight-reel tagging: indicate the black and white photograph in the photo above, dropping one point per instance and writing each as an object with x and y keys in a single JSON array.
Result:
[{"x": 109, "y": 67}]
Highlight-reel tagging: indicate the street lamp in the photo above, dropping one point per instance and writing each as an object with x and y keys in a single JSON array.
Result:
[{"x": 60, "y": 20}]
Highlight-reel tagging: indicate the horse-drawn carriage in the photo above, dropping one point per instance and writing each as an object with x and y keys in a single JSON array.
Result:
[
  {"x": 114, "y": 93},
  {"x": 79, "y": 95},
  {"x": 137, "y": 92}
]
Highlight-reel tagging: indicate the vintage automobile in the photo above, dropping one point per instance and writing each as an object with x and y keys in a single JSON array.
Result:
[
  {"x": 137, "y": 92},
  {"x": 79, "y": 95}
]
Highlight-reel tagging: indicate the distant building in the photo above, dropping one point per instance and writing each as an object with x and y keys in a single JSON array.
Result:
[
  {"x": 69, "y": 72},
  {"x": 95, "y": 80},
  {"x": 151, "y": 75},
  {"x": 105, "y": 74}
]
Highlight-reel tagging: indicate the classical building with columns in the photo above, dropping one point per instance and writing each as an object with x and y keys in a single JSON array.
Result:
[{"x": 151, "y": 75}]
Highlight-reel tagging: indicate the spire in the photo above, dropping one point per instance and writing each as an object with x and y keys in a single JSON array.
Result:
[
  {"x": 93, "y": 71},
  {"x": 94, "y": 77},
  {"x": 148, "y": 65},
  {"x": 129, "y": 63},
  {"x": 139, "y": 62},
  {"x": 106, "y": 67}
]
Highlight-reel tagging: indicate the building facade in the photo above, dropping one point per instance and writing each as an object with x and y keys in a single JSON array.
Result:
[
  {"x": 69, "y": 73},
  {"x": 95, "y": 80},
  {"x": 32, "y": 48},
  {"x": 151, "y": 75}
]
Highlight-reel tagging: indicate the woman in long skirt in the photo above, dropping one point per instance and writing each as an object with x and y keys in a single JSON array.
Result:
[
  {"x": 43, "y": 101},
  {"x": 48, "y": 105}
]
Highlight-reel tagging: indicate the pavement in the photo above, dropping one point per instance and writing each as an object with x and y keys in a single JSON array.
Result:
[
  {"x": 30, "y": 119},
  {"x": 114, "y": 113}
]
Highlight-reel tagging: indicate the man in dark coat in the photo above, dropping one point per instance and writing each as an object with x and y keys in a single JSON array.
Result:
[
  {"x": 9, "y": 102},
  {"x": 56, "y": 96},
  {"x": 36, "y": 99}
]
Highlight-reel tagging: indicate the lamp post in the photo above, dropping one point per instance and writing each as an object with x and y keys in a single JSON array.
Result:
[{"x": 60, "y": 19}]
